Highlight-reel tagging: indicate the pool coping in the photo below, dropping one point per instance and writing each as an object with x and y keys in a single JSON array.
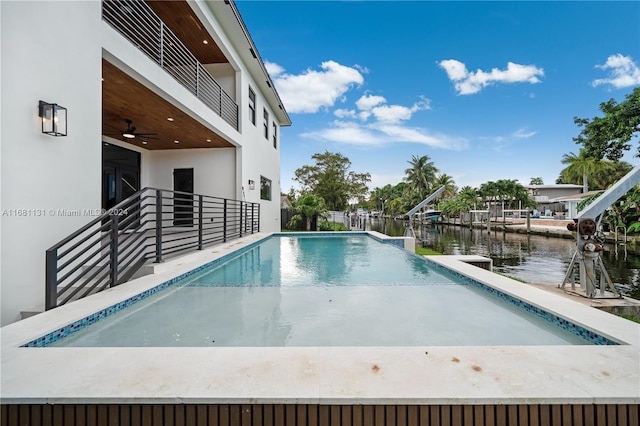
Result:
[{"x": 326, "y": 375}]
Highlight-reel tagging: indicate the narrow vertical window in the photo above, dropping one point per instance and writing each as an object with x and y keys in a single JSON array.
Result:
[
  {"x": 275, "y": 135},
  {"x": 266, "y": 124},
  {"x": 252, "y": 106},
  {"x": 265, "y": 188}
]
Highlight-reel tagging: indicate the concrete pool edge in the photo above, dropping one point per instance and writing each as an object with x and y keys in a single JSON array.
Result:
[{"x": 424, "y": 375}]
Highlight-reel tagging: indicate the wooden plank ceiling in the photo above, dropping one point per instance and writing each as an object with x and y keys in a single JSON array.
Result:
[{"x": 179, "y": 16}]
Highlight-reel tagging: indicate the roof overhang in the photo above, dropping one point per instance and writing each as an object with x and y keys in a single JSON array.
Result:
[
  {"x": 125, "y": 98},
  {"x": 233, "y": 25}
]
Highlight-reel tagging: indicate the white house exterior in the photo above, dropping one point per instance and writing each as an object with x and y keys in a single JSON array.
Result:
[
  {"x": 548, "y": 197},
  {"x": 67, "y": 53}
]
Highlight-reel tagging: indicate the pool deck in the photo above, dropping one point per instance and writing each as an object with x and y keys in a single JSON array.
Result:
[{"x": 321, "y": 375}]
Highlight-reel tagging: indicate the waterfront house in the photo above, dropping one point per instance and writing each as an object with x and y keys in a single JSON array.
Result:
[
  {"x": 103, "y": 98},
  {"x": 547, "y": 197}
]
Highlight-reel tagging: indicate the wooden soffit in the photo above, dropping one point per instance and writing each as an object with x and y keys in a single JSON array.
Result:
[
  {"x": 123, "y": 98},
  {"x": 184, "y": 23}
]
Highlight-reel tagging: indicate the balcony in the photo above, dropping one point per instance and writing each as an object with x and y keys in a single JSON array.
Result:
[{"x": 136, "y": 21}]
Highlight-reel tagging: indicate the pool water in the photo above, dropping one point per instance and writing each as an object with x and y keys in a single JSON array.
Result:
[{"x": 322, "y": 291}]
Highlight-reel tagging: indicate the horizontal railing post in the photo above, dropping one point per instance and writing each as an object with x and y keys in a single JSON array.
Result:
[{"x": 51, "y": 279}]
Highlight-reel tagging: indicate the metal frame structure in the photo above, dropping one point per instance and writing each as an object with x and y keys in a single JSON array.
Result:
[
  {"x": 589, "y": 245},
  {"x": 146, "y": 227},
  {"x": 409, "y": 232}
]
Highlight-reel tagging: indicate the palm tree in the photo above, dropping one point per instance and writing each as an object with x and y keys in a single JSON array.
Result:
[
  {"x": 580, "y": 167},
  {"x": 536, "y": 181},
  {"x": 420, "y": 175},
  {"x": 307, "y": 207},
  {"x": 469, "y": 193},
  {"x": 443, "y": 179},
  {"x": 489, "y": 193}
]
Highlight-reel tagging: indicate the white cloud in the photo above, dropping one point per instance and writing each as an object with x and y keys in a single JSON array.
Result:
[
  {"x": 364, "y": 115},
  {"x": 397, "y": 113},
  {"x": 344, "y": 113},
  {"x": 422, "y": 136},
  {"x": 392, "y": 113},
  {"x": 384, "y": 133},
  {"x": 523, "y": 134},
  {"x": 371, "y": 105},
  {"x": 347, "y": 132},
  {"x": 273, "y": 69},
  {"x": 456, "y": 70},
  {"x": 312, "y": 90},
  {"x": 623, "y": 72},
  {"x": 467, "y": 83},
  {"x": 366, "y": 102}
]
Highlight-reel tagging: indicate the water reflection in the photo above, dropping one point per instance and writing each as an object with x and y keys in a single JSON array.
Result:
[{"x": 532, "y": 258}]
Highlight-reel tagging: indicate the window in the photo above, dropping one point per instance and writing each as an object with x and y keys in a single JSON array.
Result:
[
  {"x": 265, "y": 188},
  {"x": 275, "y": 135},
  {"x": 252, "y": 106},
  {"x": 266, "y": 124}
]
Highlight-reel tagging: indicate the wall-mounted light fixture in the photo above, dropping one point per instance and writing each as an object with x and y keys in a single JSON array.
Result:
[
  {"x": 54, "y": 119},
  {"x": 252, "y": 185}
]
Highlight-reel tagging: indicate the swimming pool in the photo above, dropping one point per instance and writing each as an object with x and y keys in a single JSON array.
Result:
[
  {"x": 336, "y": 377},
  {"x": 322, "y": 290}
]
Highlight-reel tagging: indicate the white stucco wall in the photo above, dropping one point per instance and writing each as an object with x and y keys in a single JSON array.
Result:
[
  {"x": 225, "y": 75},
  {"x": 260, "y": 158},
  {"x": 44, "y": 60},
  {"x": 213, "y": 170},
  {"x": 256, "y": 156}
]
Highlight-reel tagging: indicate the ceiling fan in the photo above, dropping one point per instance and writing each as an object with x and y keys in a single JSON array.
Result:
[{"x": 130, "y": 132}]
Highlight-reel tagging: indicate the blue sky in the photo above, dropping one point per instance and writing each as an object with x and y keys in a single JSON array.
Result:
[{"x": 488, "y": 90}]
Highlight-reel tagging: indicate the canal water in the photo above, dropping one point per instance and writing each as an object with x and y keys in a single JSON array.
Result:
[{"x": 531, "y": 258}]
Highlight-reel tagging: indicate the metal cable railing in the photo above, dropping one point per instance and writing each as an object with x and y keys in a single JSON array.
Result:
[
  {"x": 144, "y": 228},
  {"x": 135, "y": 20}
]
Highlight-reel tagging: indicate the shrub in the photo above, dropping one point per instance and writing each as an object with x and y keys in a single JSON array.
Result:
[{"x": 331, "y": 226}]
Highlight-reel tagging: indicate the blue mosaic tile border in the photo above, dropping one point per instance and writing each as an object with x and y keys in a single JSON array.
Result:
[
  {"x": 398, "y": 242},
  {"x": 558, "y": 321},
  {"x": 91, "y": 319}
]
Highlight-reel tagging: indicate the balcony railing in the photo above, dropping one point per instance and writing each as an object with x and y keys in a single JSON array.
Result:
[
  {"x": 136, "y": 21},
  {"x": 144, "y": 228}
]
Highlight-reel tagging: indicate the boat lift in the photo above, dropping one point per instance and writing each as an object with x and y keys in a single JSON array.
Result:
[
  {"x": 409, "y": 232},
  {"x": 590, "y": 241}
]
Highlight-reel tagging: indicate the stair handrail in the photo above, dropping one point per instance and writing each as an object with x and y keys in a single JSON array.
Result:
[{"x": 111, "y": 248}]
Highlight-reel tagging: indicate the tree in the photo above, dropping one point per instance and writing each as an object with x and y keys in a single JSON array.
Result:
[
  {"x": 607, "y": 176},
  {"x": 609, "y": 136},
  {"x": 307, "y": 207},
  {"x": 536, "y": 181},
  {"x": 420, "y": 176},
  {"x": 443, "y": 179},
  {"x": 580, "y": 167},
  {"x": 332, "y": 180}
]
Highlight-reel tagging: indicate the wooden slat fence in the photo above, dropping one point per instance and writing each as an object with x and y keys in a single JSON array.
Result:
[{"x": 318, "y": 415}]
